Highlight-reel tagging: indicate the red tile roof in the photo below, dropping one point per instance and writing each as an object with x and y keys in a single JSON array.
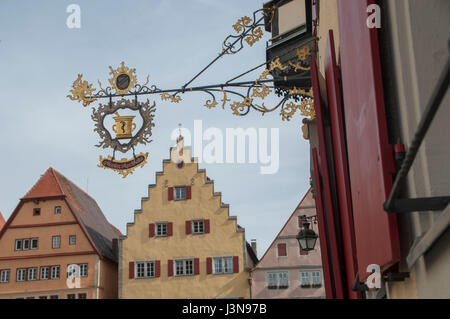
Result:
[
  {"x": 84, "y": 207},
  {"x": 47, "y": 186}
]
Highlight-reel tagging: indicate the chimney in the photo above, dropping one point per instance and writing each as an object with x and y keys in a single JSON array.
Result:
[{"x": 253, "y": 244}]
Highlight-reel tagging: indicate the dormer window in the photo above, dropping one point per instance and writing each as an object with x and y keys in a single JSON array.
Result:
[
  {"x": 57, "y": 210},
  {"x": 36, "y": 212}
]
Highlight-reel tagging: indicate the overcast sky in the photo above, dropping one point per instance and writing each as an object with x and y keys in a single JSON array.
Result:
[{"x": 170, "y": 40}]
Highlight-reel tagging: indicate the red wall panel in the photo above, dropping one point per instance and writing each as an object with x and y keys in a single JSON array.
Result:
[{"x": 370, "y": 158}]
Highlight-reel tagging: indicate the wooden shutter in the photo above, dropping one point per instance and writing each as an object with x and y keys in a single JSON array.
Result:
[
  {"x": 235, "y": 264},
  {"x": 169, "y": 229},
  {"x": 131, "y": 269},
  {"x": 151, "y": 230},
  {"x": 157, "y": 268},
  {"x": 303, "y": 252},
  {"x": 206, "y": 226},
  {"x": 209, "y": 265},
  {"x": 188, "y": 227},
  {"x": 170, "y": 193},
  {"x": 170, "y": 267},
  {"x": 282, "y": 250},
  {"x": 188, "y": 192},
  {"x": 196, "y": 266}
]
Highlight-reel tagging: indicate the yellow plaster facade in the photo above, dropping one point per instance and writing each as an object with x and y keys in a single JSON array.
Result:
[{"x": 225, "y": 238}]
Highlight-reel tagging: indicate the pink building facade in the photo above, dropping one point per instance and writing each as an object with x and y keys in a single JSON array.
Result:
[{"x": 285, "y": 271}]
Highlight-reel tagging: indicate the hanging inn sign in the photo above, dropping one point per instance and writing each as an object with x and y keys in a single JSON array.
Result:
[{"x": 286, "y": 74}]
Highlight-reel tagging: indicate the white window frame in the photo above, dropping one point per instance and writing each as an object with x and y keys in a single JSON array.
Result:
[
  {"x": 5, "y": 275},
  {"x": 21, "y": 274},
  {"x": 223, "y": 262},
  {"x": 277, "y": 275},
  {"x": 52, "y": 273},
  {"x": 184, "y": 267},
  {"x": 58, "y": 241},
  {"x": 74, "y": 237},
  {"x": 309, "y": 276},
  {"x": 77, "y": 294},
  {"x": 199, "y": 222},
  {"x": 32, "y": 273},
  {"x": 26, "y": 240},
  {"x": 147, "y": 264},
  {"x": 18, "y": 241},
  {"x": 83, "y": 270},
  {"x": 319, "y": 283},
  {"x": 31, "y": 243},
  {"x": 287, "y": 249},
  {"x": 161, "y": 224},
  {"x": 47, "y": 273},
  {"x": 177, "y": 196}
]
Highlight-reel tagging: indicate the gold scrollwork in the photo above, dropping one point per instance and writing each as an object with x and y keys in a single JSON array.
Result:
[
  {"x": 166, "y": 96},
  {"x": 254, "y": 37},
  {"x": 303, "y": 53},
  {"x": 122, "y": 69},
  {"x": 241, "y": 24},
  {"x": 296, "y": 91},
  {"x": 261, "y": 92},
  {"x": 80, "y": 90},
  {"x": 212, "y": 104},
  {"x": 240, "y": 106},
  {"x": 306, "y": 108},
  {"x": 224, "y": 100},
  {"x": 276, "y": 64}
]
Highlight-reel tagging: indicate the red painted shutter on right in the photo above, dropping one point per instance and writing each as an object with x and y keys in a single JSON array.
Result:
[
  {"x": 131, "y": 269},
  {"x": 170, "y": 193},
  {"x": 188, "y": 227},
  {"x": 169, "y": 229},
  {"x": 207, "y": 226},
  {"x": 170, "y": 267},
  {"x": 157, "y": 268},
  {"x": 209, "y": 265},
  {"x": 188, "y": 192},
  {"x": 151, "y": 230},
  {"x": 235, "y": 264},
  {"x": 196, "y": 266}
]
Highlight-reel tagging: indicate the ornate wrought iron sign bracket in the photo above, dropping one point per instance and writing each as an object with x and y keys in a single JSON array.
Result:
[{"x": 248, "y": 95}]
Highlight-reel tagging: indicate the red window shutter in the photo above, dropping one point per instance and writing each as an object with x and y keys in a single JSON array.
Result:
[
  {"x": 170, "y": 193},
  {"x": 209, "y": 265},
  {"x": 235, "y": 264},
  {"x": 196, "y": 266},
  {"x": 303, "y": 252},
  {"x": 206, "y": 226},
  {"x": 151, "y": 230},
  {"x": 157, "y": 268},
  {"x": 169, "y": 229},
  {"x": 282, "y": 251},
  {"x": 170, "y": 267},
  {"x": 188, "y": 192},
  {"x": 188, "y": 227},
  {"x": 131, "y": 269}
]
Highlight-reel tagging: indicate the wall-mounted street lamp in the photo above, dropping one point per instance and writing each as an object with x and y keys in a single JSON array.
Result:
[{"x": 307, "y": 237}]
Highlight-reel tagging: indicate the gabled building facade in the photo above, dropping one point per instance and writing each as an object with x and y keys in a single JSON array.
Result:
[
  {"x": 183, "y": 243},
  {"x": 56, "y": 227},
  {"x": 286, "y": 271}
]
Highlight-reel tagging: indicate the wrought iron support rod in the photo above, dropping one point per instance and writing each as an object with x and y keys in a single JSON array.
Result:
[
  {"x": 430, "y": 111},
  {"x": 221, "y": 54},
  {"x": 205, "y": 87}
]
